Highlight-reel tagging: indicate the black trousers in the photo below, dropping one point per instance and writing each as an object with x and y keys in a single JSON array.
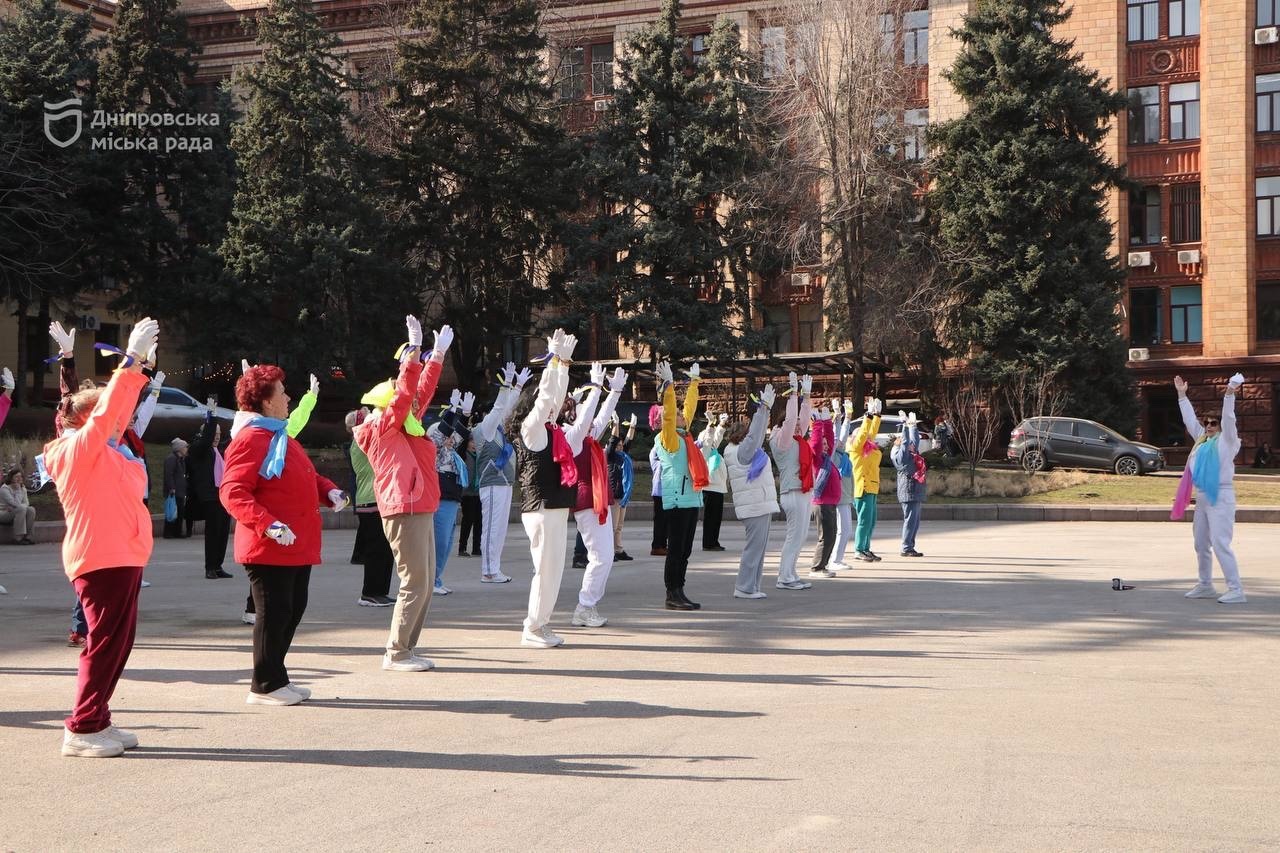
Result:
[
  {"x": 217, "y": 525},
  {"x": 579, "y": 548},
  {"x": 376, "y": 554},
  {"x": 659, "y": 525},
  {"x": 682, "y": 524},
  {"x": 712, "y": 514},
  {"x": 826, "y": 536},
  {"x": 471, "y": 515},
  {"x": 280, "y": 597}
]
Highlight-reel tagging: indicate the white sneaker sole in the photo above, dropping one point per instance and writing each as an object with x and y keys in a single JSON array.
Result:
[
  {"x": 795, "y": 586},
  {"x": 583, "y": 623},
  {"x": 754, "y": 596},
  {"x": 531, "y": 643},
  {"x": 262, "y": 699},
  {"x": 72, "y": 751},
  {"x": 1212, "y": 593},
  {"x": 1241, "y": 600},
  {"x": 502, "y": 579},
  {"x": 441, "y": 591}
]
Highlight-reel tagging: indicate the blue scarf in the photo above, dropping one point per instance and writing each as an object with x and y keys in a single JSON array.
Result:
[
  {"x": 628, "y": 479},
  {"x": 504, "y": 456},
  {"x": 759, "y": 461},
  {"x": 273, "y": 464},
  {"x": 845, "y": 464},
  {"x": 1204, "y": 471},
  {"x": 460, "y": 468}
]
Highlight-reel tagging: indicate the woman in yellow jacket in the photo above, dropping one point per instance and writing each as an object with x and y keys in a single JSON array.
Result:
[{"x": 865, "y": 453}]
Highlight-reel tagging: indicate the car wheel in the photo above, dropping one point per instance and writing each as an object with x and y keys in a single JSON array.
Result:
[
  {"x": 1033, "y": 460},
  {"x": 1128, "y": 466}
]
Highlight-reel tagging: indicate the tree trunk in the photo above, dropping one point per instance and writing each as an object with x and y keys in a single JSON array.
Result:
[
  {"x": 20, "y": 375},
  {"x": 37, "y": 384}
]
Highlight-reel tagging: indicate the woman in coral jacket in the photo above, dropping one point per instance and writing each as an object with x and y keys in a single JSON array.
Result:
[
  {"x": 272, "y": 490},
  {"x": 407, "y": 487},
  {"x": 108, "y": 540},
  {"x": 826, "y": 491}
]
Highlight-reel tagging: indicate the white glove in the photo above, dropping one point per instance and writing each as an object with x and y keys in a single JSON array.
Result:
[
  {"x": 618, "y": 381},
  {"x": 567, "y": 345},
  {"x": 694, "y": 372},
  {"x": 879, "y": 406},
  {"x": 280, "y": 532},
  {"x": 244, "y": 365},
  {"x": 824, "y": 414},
  {"x": 522, "y": 377},
  {"x": 338, "y": 499},
  {"x": 723, "y": 420},
  {"x": 597, "y": 374},
  {"x": 1235, "y": 382},
  {"x": 157, "y": 380},
  {"x": 848, "y": 408},
  {"x": 806, "y": 384},
  {"x": 795, "y": 383},
  {"x": 664, "y": 372},
  {"x": 768, "y": 395},
  {"x": 468, "y": 403},
  {"x": 6, "y": 377},
  {"x": 614, "y": 420},
  {"x": 414, "y": 327},
  {"x": 911, "y": 419},
  {"x": 902, "y": 415},
  {"x": 455, "y": 399},
  {"x": 151, "y": 354},
  {"x": 444, "y": 339},
  {"x": 509, "y": 374},
  {"x": 142, "y": 338},
  {"x": 315, "y": 385},
  {"x": 66, "y": 340},
  {"x": 631, "y": 423}
]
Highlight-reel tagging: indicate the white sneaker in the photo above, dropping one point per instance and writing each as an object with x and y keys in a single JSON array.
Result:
[
  {"x": 1233, "y": 596},
  {"x": 497, "y": 577},
  {"x": 249, "y": 618},
  {"x": 95, "y": 745},
  {"x": 544, "y": 638},
  {"x": 737, "y": 593},
  {"x": 796, "y": 584},
  {"x": 821, "y": 573},
  {"x": 145, "y": 584},
  {"x": 413, "y": 663},
  {"x": 1202, "y": 590},
  {"x": 441, "y": 590},
  {"x": 3, "y": 591},
  {"x": 304, "y": 692},
  {"x": 127, "y": 739},
  {"x": 839, "y": 567},
  {"x": 281, "y": 696},
  {"x": 588, "y": 617}
]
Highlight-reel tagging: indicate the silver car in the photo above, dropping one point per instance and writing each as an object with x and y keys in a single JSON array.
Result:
[
  {"x": 890, "y": 425},
  {"x": 177, "y": 405}
]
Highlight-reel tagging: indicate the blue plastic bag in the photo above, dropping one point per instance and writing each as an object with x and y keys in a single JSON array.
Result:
[{"x": 171, "y": 508}]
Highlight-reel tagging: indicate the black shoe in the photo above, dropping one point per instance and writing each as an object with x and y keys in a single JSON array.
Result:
[
  {"x": 675, "y": 601},
  {"x": 865, "y": 557},
  {"x": 873, "y": 555},
  {"x": 713, "y": 547},
  {"x": 657, "y": 552},
  {"x": 214, "y": 575},
  {"x": 622, "y": 556},
  {"x": 463, "y": 554},
  {"x": 912, "y": 552},
  {"x": 693, "y": 605},
  {"x": 579, "y": 564}
]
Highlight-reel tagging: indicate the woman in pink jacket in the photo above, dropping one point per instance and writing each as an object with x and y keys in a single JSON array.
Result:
[
  {"x": 826, "y": 491},
  {"x": 108, "y": 540}
]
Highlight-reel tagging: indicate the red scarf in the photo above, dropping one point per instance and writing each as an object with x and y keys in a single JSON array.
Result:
[
  {"x": 562, "y": 453},
  {"x": 806, "y": 464},
  {"x": 599, "y": 480},
  {"x": 921, "y": 468},
  {"x": 134, "y": 443},
  {"x": 697, "y": 464}
]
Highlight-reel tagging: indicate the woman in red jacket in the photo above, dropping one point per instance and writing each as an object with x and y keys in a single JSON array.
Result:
[{"x": 272, "y": 490}]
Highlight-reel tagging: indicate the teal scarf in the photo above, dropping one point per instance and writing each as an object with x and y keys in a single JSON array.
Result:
[
  {"x": 1204, "y": 470},
  {"x": 273, "y": 464}
]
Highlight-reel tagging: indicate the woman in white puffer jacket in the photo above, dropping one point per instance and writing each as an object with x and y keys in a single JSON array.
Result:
[{"x": 755, "y": 493}]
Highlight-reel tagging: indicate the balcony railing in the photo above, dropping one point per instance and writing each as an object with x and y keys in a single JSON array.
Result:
[
  {"x": 798, "y": 287},
  {"x": 1164, "y": 264},
  {"x": 1172, "y": 161},
  {"x": 1163, "y": 61}
]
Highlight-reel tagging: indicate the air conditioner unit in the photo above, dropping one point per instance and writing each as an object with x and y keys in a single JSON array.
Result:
[
  {"x": 799, "y": 280},
  {"x": 1139, "y": 354},
  {"x": 1266, "y": 35},
  {"x": 1139, "y": 259},
  {"x": 89, "y": 323},
  {"x": 602, "y": 105},
  {"x": 1189, "y": 256}
]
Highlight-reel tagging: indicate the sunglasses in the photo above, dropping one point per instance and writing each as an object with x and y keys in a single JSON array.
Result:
[{"x": 1208, "y": 422}]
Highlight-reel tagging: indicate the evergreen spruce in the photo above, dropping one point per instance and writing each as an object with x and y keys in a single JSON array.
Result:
[{"x": 1021, "y": 189}]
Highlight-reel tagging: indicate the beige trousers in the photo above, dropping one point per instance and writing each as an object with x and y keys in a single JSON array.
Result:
[
  {"x": 413, "y": 543},
  {"x": 22, "y": 520}
]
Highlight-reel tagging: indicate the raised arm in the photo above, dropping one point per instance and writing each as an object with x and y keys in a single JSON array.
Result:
[
  {"x": 785, "y": 434},
  {"x": 1230, "y": 435},
  {"x": 616, "y": 383},
  {"x": 202, "y": 443},
  {"x": 1189, "y": 420},
  {"x": 552, "y": 388},
  {"x": 299, "y": 417},
  {"x": 668, "y": 437},
  {"x": 583, "y": 421},
  {"x": 755, "y": 433},
  {"x": 147, "y": 408}
]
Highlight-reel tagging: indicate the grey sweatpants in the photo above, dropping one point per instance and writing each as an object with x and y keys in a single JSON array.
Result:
[{"x": 751, "y": 565}]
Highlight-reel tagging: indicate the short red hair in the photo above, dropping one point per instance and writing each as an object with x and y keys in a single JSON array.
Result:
[{"x": 256, "y": 385}]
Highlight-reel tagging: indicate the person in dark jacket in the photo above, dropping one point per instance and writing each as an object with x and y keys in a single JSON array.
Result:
[
  {"x": 175, "y": 486},
  {"x": 911, "y": 469},
  {"x": 471, "y": 510},
  {"x": 204, "y": 476}
]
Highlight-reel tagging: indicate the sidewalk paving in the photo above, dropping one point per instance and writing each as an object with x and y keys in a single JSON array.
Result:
[{"x": 995, "y": 695}]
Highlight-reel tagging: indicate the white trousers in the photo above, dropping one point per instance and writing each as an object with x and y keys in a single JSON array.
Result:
[
  {"x": 844, "y": 530},
  {"x": 1212, "y": 527},
  {"x": 495, "y": 512},
  {"x": 798, "y": 507},
  {"x": 548, "y": 532},
  {"x": 599, "y": 541}
]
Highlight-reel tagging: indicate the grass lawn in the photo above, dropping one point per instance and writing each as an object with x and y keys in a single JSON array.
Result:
[{"x": 1105, "y": 489}]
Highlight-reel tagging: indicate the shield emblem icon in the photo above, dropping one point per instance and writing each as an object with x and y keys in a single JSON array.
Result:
[{"x": 70, "y": 108}]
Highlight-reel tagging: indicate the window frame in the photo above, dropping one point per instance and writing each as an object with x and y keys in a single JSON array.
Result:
[
  {"x": 1144, "y": 206},
  {"x": 1272, "y": 99},
  {"x": 1145, "y": 110},
  {"x": 1143, "y": 8},
  {"x": 1156, "y": 337},
  {"x": 1184, "y": 213},
  {"x": 1269, "y": 308},
  {"x": 1181, "y": 17},
  {"x": 1185, "y": 105},
  {"x": 1272, "y": 6},
  {"x": 586, "y": 74},
  {"x": 1272, "y": 203},
  {"x": 911, "y": 37},
  {"x": 914, "y": 147},
  {"x": 1183, "y": 314}
]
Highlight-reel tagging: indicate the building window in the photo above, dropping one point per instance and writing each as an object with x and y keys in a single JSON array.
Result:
[
  {"x": 1144, "y": 216},
  {"x": 888, "y": 34},
  {"x": 773, "y": 43},
  {"x": 515, "y": 348},
  {"x": 1269, "y": 311},
  {"x": 1268, "y": 13},
  {"x": 777, "y": 325},
  {"x": 915, "y": 38},
  {"x": 1145, "y": 316},
  {"x": 699, "y": 46},
  {"x": 571, "y": 82},
  {"x": 1267, "y": 89},
  {"x": 1144, "y": 115},
  {"x": 1184, "y": 213},
  {"x": 1267, "y": 192},
  {"x": 1184, "y": 111},
  {"x": 602, "y": 69},
  {"x": 1184, "y": 17},
  {"x": 916, "y": 121},
  {"x": 1165, "y": 418},
  {"x": 809, "y": 328},
  {"x": 1184, "y": 314},
  {"x": 1144, "y": 20}
]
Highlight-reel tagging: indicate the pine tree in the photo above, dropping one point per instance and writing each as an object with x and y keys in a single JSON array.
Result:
[
  {"x": 479, "y": 168},
  {"x": 311, "y": 287},
  {"x": 1021, "y": 183},
  {"x": 652, "y": 259}
]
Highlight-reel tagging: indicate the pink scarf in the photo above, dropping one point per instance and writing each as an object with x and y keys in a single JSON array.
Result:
[
  {"x": 921, "y": 468},
  {"x": 1182, "y": 499},
  {"x": 218, "y": 467},
  {"x": 869, "y": 446}
]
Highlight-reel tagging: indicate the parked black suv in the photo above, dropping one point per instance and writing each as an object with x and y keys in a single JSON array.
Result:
[{"x": 1041, "y": 443}]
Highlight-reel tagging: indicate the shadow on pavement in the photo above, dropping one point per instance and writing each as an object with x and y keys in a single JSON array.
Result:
[{"x": 542, "y": 712}]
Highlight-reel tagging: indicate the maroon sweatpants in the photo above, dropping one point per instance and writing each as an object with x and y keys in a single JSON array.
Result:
[{"x": 110, "y": 599}]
